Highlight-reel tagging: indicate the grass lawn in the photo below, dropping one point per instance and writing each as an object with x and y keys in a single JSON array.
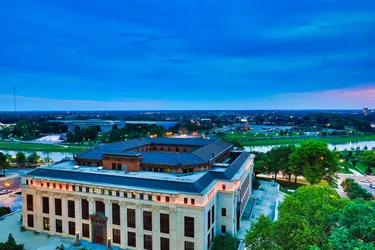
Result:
[
  {"x": 276, "y": 141},
  {"x": 345, "y": 168},
  {"x": 361, "y": 167},
  {"x": 5, "y": 145}
]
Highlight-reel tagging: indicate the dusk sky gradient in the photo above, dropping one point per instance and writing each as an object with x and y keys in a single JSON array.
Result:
[{"x": 196, "y": 54}]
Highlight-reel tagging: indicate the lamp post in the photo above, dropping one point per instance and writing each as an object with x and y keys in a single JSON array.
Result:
[
  {"x": 109, "y": 244},
  {"x": 77, "y": 242}
]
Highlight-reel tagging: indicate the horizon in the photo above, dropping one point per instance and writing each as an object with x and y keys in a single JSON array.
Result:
[{"x": 141, "y": 55}]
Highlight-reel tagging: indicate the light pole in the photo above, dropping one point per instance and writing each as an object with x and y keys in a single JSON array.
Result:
[
  {"x": 77, "y": 242},
  {"x": 109, "y": 244}
]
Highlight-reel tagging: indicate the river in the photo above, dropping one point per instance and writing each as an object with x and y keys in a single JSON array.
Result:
[
  {"x": 55, "y": 156},
  {"x": 339, "y": 146}
]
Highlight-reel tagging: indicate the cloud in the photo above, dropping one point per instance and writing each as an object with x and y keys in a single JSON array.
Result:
[{"x": 25, "y": 103}]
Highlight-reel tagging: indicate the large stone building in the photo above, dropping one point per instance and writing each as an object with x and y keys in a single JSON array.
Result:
[{"x": 155, "y": 194}]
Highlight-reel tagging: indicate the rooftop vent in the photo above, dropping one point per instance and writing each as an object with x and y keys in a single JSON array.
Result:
[
  {"x": 100, "y": 168},
  {"x": 76, "y": 167}
]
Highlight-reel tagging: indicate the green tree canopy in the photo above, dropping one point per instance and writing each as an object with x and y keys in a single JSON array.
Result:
[
  {"x": 11, "y": 244},
  {"x": 225, "y": 242},
  {"x": 20, "y": 158},
  {"x": 260, "y": 235},
  {"x": 317, "y": 161},
  {"x": 278, "y": 160},
  {"x": 33, "y": 158},
  {"x": 368, "y": 157}
]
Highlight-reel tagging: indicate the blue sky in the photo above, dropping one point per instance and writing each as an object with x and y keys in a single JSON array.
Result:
[{"x": 196, "y": 54}]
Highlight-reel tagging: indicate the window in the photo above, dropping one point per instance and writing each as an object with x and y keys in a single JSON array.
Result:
[
  {"x": 141, "y": 196},
  {"x": 115, "y": 214},
  {"x": 45, "y": 201},
  {"x": 125, "y": 194},
  {"x": 223, "y": 229},
  {"x": 117, "y": 193},
  {"x": 158, "y": 198},
  {"x": 87, "y": 190},
  {"x": 185, "y": 200},
  {"x": 213, "y": 234},
  {"x": 100, "y": 207},
  {"x": 48, "y": 184},
  {"x": 102, "y": 191},
  {"x": 164, "y": 243},
  {"x": 131, "y": 239},
  {"x": 60, "y": 186},
  {"x": 223, "y": 212},
  {"x": 27, "y": 182},
  {"x": 189, "y": 245},
  {"x": 29, "y": 199},
  {"x": 71, "y": 209},
  {"x": 177, "y": 149},
  {"x": 86, "y": 230},
  {"x": 113, "y": 166},
  {"x": 31, "y": 182},
  {"x": 213, "y": 214},
  {"x": 30, "y": 220},
  {"x": 54, "y": 185},
  {"x": 169, "y": 148},
  {"x": 150, "y": 197},
  {"x": 85, "y": 209},
  {"x": 116, "y": 236},
  {"x": 189, "y": 226},
  {"x": 161, "y": 148},
  {"x": 192, "y": 201},
  {"x": 185, "y": 149},
  {"x": 166, "y": 199},
  {"x": 133, "y": 195},
  {"x": 208, "y": 241},
  {"x": 131, "y": 217},
  {"x": 110, "y": 192},
  {"x": 80, "y": 188},
  {"x": 58, "y": 226},
  {"x": 224, "y": 187},
  {"x": 147, "y": 220},
  {"x": 72, "y": 228},
  {"x": 66, "y": 186},
  {"x": 73, "y": 187},
  {"x": 58, "y": 207},
  {"x": 118, "y": 166},
  {"x": 209, "y": 220},
  {"x": 46, "y": 223},
  {"x": 147, "y": 242},
  {"x": 164, "y": 223}
]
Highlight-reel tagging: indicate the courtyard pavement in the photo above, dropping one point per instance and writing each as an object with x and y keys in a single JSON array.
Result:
[
  {"x": 267, "y": 198},
  {"x": 11, "y": 224}
]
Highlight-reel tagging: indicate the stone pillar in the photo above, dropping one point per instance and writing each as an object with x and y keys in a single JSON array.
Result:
[
  {"x": 78, "y": 214},
  {"x": 52, "y": 220},
  {"x": 24, "y": 209},
  {"x": 91, "y": 211},
  {"x": 65, "y": 222},
  {"x": 108, "y": 214},
  {"x": 173, "y": 228},
  {"x": 38, "y": 211},
  {"x": 155, "y": 228},
  {"x": 139, "y": 225},
  {"x": 123, "y": 225}
]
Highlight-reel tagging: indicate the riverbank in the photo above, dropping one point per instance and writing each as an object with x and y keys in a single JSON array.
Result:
[
  {"x": 276, "y": 141},
  {"x": 5, "y": 145}
]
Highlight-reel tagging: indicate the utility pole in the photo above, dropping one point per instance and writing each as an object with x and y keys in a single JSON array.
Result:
[{"x": 14, "y": 99}]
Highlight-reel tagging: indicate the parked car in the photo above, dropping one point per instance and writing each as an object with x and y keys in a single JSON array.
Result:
[{"x": 372, "y": 186}]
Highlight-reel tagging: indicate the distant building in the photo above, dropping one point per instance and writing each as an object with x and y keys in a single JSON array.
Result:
[
  {"x": 365, "y": 111},
  {"x": 160, "y": 194},
  {"x": 105, "y": 125}
]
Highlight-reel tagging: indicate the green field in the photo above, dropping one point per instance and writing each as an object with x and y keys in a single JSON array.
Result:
[
  {"x": 5, "y": 145},
  {"x": 276, "y": 141}
]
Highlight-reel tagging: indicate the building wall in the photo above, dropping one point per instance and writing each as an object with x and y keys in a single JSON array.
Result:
[{"x": 133, "y": 164}]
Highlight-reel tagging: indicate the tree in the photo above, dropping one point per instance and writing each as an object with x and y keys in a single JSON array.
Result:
[
  {"x": 355, "y": 227},
  {"x": 260, "y": 234},
  {"x": 317, "y": 161},
  {"x": 11, "y": 244},
  {"x": 225, "y": 242},
  {"x": 278, "y": 160},
  {"x": 355, "y": 191},
  {"x": 4, "y": 161},
  {"x": 306, "y": 219},
  {"x": 368, "y": 157},
  {"x": 5, "y": 210},
  {"x": 33, "y": 158},
  {"x": 20, "y": 158},
  {"x": 260, "y": 163},
  {"x": 5, "y": 133}
]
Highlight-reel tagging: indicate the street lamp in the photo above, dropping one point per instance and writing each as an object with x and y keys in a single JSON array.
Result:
[
  {"x": 77, "y": 242},
  {"x": 109, "y": 244}
]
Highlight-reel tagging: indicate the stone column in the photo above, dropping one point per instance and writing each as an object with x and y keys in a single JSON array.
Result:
[
  {"x": 123, "y": 225},
  {"x": 173, "y": 228},
  {"x": 24, "y": 209},
  {"x": 65, "y": 222},
  {"x": 139, "y": 225},
  {"x": 108, "y": 214},
  {"x": 38, "y": 212},
  {"x": 155, "y": 228},
  {"x": 78, "y": 214},
  {"x": 91, "y": 211},
  {"x": 52, "y": 220}
]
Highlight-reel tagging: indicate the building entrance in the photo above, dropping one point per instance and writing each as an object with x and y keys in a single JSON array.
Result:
[{"x": 99, "y": 228}]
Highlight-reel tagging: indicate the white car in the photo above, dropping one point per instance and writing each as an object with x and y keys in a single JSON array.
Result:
[{"x": 366, "y": 181}]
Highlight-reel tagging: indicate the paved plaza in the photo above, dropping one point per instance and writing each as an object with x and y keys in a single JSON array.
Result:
[{"x": 11, "y": 224}]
